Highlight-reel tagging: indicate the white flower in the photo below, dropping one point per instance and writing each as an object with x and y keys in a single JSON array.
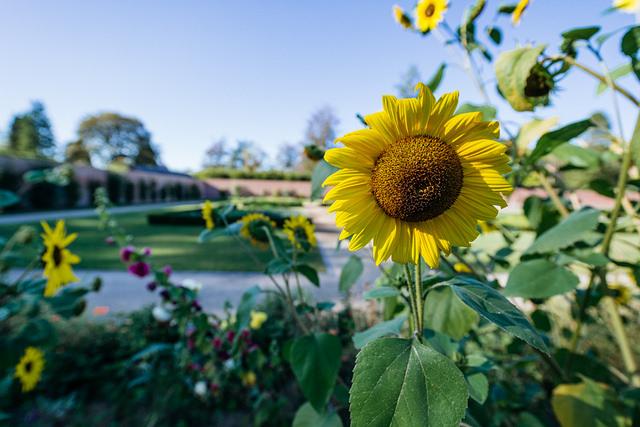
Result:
[
  {"x": 200, "y": 388},
  {"x": 229, "y": 364},
  {"x": 191, "y": 284},
  {"x": 161, "y": 314}
]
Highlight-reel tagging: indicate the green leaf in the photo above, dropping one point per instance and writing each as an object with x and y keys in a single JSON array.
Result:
[
  {"x": 540, "y": 278},
  {"x": 473, "y": 12},
  {"x": 315, "y": 360},
  {"x": 150, "y": 350},
  {"x": 507, "y": 9},
  {"x": 320, "y": 173},
  {"x": 69, "y": 302},
  {"x": 494, "y": 307},
  {"x": 579, "y": 157},
  {"x": 247, "y": 302},
  {"x": 532, "y": 131},
  {"x": 231, "y": 230},
  {"x": 381, "y": 292},
  {"x": 616, "y": 73},
  {"x": 566, "y": 233},
  {"x": 630, "y": 42},
  {"x": 444, "y": 312},
  {"x": 309, "y": 272},
  {"x": 436, "y": 79},
  {"x": 478, "y": 386},
  {"x": 7, "y": 198},
  {"x": 399, "y": 382},
  {"x": 512, "y": 70},
  {"x": 550, "y": 140},
  {"x": 382, "y": 329},
  {"x": 495, "y": 34},
  {"x": 583, "y": 33},
  {"x": 488, "y": 111},
  {"x": 586, "y": 404},
  {"x": 306, "y": 416},
  {"x": 350, "y": 273}
]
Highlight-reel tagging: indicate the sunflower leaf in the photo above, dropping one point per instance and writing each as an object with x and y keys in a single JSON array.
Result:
[
  {"x": 540, "y": 278},
  {"x": 435, "y": 81},
  {"x": 566, "y": 233},
  {"x": 551, "y": 140}
]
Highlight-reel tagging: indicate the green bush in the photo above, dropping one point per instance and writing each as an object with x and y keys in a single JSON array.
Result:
[
  {"x": 221, "y": 172},
  {"x": 194, "y": 217}
]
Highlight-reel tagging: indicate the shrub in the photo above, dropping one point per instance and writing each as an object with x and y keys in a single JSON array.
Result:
[{"x": 222, "y": 172}]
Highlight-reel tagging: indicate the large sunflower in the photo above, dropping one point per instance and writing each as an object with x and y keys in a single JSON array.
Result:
[
  {"x": 429, "y": 13},
  {"x": 29, "y": 368},
  {"x": 57, "y": 258},
  {"x": 418, "y": 180}
]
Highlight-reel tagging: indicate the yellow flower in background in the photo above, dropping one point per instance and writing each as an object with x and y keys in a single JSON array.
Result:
[
  {"x": 517, "y": 13},
  {"x": 401, "y": 16},
  {"x": 623, "y": 293},
  {"x": 248, "y": 379},
  {"x": 57, "y": 258},
  {"x": 460, "y": 267},
  {"x": 253, "y": 228},
  {"x": 429, "y": 13},
  {"x": 418, "y": 180},
  {"x": 29, "y": 368},
  {"x": 628, "y": 6},
  {"x": 257, "y": 319},
  {"x": 207, "y": 214},
  {"x": 299, "y": 231}
]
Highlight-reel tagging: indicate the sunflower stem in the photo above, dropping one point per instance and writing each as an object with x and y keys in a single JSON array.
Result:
[
  {"x": 552, "y": 194},
  {"x": 412, "y": 303},
  {"x": 419, "y": 300}
]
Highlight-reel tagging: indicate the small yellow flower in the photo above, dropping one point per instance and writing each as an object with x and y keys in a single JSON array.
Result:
[
  {"x": 628, "y": 6},
  {"x": 299, "y": 230},
  {"x": 207, "y": 214},
  {"x": 57, "y": 258},
  {"x": 622, "y": 293},
  {"x": 257, "y": 319},
  {"x": 248, "y": 379},
  {"x": 461, "y": 267},
  {"x": 253, "y": 228},
  {"x": 29, "y": 369},
  {"x": 429, "y": 13},
  {"x": 517, "y": 13},
  {"x": 401, "y": 17}
]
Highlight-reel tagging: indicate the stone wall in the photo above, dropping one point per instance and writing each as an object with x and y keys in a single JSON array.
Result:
[{"x": 261, "y": 187}]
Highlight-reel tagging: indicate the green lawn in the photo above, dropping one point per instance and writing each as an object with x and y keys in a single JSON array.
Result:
[{"x": 175, "y": 245}]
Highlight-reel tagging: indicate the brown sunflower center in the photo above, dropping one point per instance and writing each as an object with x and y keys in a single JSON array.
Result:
[
  {"x": 57, "y": 255},
  {"x": 28, "y": 366},
  {"x": 430, "y": 10},
  {"x": 417, "y": 178}
]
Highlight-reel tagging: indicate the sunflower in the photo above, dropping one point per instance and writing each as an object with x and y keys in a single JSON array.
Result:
[
  {"x": 257, "y": 319},
  {"x": 29, "y": 369},
  {"x": 299, "y": 230},
  {"x": 57, "y": 258},
  {"x": 628, "y": 6},
  {"x": 418, "y": 180},
  {"x": 253, "y": 228},
  {"x": 401, "y": 17},
  {"x": 517, "y": 12},
  {"x": 207, "y": 214},
  {"x": 429, "y": 13}
]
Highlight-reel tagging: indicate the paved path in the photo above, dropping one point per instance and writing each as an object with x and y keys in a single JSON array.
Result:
[
  {"x": 20, "y": 218},
  {"x": 123, "y": 292}
]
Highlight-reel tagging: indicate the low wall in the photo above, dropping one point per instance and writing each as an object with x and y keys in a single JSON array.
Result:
[
  {"x": 135, "y": 186},
  {"x": 261, "y": 187}
]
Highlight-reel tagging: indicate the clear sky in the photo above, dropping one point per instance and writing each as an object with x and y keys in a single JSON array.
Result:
[{"x": 194, "y": 71}]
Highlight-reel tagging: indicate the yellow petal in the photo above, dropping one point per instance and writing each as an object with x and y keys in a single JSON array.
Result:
[
  {"x": 442, "y": 111},
  {"x": 383, "y": 125},
  {"x": 348, "y": 158},
  {"x": 366, "y": 140}
]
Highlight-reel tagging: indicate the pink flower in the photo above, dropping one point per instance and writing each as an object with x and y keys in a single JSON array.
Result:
[
  {"x": 230, "y": 336},
  {"x": 140, "y": 269},
  {"x": 146, "y": 251},
  {"x": 217, "y": 343},
  {"x": 167, "y": 270},
  {"x": 126, "y": 252}
]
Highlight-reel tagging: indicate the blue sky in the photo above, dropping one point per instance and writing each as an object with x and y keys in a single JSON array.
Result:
[{"x": 195, "y": 71}]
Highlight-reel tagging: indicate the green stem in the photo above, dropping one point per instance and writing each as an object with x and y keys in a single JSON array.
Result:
[
  {"x": 412, "y": 301},
  {"x": 555, "y": 199},
  {"x": 419, "y": 300}
]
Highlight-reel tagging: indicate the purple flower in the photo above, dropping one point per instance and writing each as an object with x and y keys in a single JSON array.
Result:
[
  {"x": 217, "y": 343},
  {"x": 151, "y": 286},
  {"x": 126, "y": 252},
  {"x": 164, "y": 294},
  {"x": 146, "y": 251},
  {"x": 167, "y": 270},
  {"x": 196, "y": 306},
  {"x": 230, "y": 336},
  {"x": 140, "y": 269},
  {"x": 109, "y": 240}
]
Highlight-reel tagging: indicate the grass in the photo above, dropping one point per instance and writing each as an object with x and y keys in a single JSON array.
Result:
[{"x": 174, "y": 245}]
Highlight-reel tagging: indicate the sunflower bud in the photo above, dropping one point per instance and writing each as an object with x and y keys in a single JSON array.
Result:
[
  {"x": 539, "y": 82},
  {"x": 313, "y": 152}
]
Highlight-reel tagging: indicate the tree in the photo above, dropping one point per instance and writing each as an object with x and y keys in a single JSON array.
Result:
[
  {"x": 246, "y": 156},
  {"x": 321, "y": 128},
  {"x": 216, "y": 154},
  {"x": 30, "y": 133},
  {"x": 112, "y": 136},
  {"x": 407, "y": 86},
  {"x": 77, "y": 153},
  {"x": 288, "y": 155}
]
